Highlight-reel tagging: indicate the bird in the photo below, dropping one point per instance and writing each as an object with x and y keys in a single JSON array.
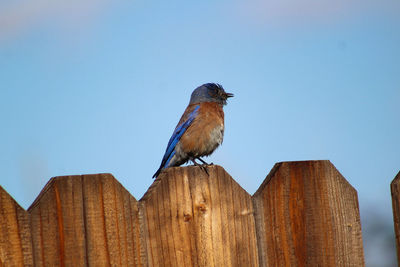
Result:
[{"x": 200, "y": 130}]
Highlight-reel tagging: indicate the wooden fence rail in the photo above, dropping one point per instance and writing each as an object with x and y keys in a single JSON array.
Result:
[{"x": 304, "y": 213}]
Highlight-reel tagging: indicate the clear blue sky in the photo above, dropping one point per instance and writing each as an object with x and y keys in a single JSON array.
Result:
[{"x": 98, "y": 86}]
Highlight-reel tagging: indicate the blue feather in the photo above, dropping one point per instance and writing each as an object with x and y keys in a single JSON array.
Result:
[
  {"x": 169, "y": 159},
  {"x": 176, "y": 136}
]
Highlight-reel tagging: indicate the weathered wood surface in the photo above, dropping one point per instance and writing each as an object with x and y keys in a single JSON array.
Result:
[
  {"x": 395, "y": 189},
  {"x": 15, "y": 235},
  {"x": 85, "y": 220},
  {"x": 195, "y": 219},
  {"x": 307, "y": 214},
  {"x": 304, "y": 213}
]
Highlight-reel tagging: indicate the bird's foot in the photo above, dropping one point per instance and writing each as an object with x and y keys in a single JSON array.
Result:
[
  {"x": 205, "y": 163},
  {"x": 202, "y": 166}
]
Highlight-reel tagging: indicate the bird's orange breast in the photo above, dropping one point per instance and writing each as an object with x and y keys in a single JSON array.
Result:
[{"x": 206, "y": 131}]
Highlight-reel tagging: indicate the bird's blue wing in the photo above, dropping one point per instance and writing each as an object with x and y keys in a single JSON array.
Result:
[{"x": 176, "y": 136}]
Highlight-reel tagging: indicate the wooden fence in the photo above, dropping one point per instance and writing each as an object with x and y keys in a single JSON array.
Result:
[{"x": 304, "y": 213}]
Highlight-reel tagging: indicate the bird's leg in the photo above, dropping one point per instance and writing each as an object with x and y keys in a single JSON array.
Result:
[
  {"x": 204, "y": 168},
  {"x": 205, "y": 163}
]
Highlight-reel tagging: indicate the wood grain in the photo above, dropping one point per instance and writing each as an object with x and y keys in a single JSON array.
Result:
[
  {"x": 85, "y": 220},
  {"x": 15, "y": 235},
  {"x": 307, "y": 214},
  {"x": 192, "y": 219},
  {"x": 395, "y": 189},
  {"x": 304, "y": 213}
]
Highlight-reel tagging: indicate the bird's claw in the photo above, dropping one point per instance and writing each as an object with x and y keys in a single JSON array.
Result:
[
  {"x": 202, "y": 166},
  {"x": 205, "y": 163}
]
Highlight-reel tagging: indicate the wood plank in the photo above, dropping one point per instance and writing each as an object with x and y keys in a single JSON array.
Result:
[
  {"x": 307, "y": 213},
  {"x": 15, "y": 235},
  {"x": 395, "y": 190},
  {"x": 85, "y": 220},
  {"x": 46, "y": 226},
  {"x": 208, "y": 215}
]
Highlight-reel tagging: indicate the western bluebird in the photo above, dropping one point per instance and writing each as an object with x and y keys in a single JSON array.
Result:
[{"x": 200, "y": 130}]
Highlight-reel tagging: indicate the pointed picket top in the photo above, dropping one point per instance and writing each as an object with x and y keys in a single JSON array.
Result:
[
  {"x": 210, "y": 215},
  {"x": 15, "y": 234},
  {"x": 306, "y": 212},
  {"x": 395, "y": 189},
  {"x": 91, "y": 219},
  {"x": 302, "y": 164}
]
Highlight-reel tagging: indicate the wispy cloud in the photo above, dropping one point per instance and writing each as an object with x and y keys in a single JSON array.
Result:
[
  {"x": 289, "y": 12},
  {"x": 18, "y": 17}
]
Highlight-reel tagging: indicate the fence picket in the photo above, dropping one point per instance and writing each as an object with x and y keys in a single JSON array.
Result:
[
  {"x": 15, "y": 234},
  {"x": 307, "y": 213},
  {"x": 395, "y": 189}
]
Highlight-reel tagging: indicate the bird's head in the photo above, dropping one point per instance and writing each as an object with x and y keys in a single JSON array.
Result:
[{"x": 210, "y": 92}]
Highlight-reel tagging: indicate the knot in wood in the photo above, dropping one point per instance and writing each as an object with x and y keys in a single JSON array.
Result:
[
  {"x": 187, "y": 217},
  {"x": 202, "y": 207}
]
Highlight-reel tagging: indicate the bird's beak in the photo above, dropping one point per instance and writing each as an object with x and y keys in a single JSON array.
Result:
[{"x": 229, "y": 95}]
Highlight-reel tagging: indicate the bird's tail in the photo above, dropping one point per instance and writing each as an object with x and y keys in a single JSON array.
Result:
[{"x": 157, "y": 172}]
